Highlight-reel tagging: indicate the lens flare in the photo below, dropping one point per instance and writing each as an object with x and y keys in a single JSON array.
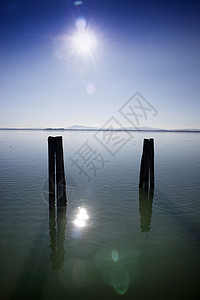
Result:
[
  {"x": 115, "y": 255},
  {"x": 120, "y": 279},
  {"x": 90, "y": 88},
  {"x": 81, "y": 24}
]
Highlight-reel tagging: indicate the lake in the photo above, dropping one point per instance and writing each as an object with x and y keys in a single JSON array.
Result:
[{"x": 111, "y": 241}]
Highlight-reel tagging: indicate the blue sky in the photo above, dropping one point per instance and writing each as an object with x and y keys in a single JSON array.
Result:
[{"x": 147, "y": 46}]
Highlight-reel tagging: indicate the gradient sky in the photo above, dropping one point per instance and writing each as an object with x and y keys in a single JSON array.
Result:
[{"x": 147, "y": 46}]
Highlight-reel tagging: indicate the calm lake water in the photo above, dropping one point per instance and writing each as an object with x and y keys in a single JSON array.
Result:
[{"x": 110, "y": 242}]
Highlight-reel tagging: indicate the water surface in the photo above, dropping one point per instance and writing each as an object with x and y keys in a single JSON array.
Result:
[{"x": 111, "y": 240}]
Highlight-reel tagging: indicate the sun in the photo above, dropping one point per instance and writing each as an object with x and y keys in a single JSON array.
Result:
[{"x": 84, "y": 42}]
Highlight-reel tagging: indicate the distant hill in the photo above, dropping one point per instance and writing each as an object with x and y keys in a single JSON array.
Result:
[
  {"x": 141, "y": 128},
  {"x": 81, "y": 127}
]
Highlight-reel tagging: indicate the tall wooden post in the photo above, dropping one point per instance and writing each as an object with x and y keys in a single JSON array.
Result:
[
  {"x": 51, "y": 154},
  {"x": 60, "y": 174},
  {"x": 55, "y": 151}
]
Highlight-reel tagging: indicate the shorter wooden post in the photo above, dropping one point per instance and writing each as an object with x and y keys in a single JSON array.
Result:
[
  {"x": 151, "y": 156},
  {"x": 147, "y": 165},
  {"x": 142, "y": 168}
]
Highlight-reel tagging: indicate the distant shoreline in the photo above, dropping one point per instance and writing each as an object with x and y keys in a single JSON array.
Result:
[{"x": 100, "y": 129}]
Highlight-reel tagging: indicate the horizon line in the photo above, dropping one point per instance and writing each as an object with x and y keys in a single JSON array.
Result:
[{"x": 101, "y": 129}]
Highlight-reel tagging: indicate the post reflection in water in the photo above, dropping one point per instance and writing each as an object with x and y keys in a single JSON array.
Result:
[
  {"x": 57, "y": 226},
  {"x": 145, "y": 207}
]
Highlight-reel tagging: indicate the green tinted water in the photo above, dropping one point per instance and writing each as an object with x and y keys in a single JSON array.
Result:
[{"x": 110, "y": 242}]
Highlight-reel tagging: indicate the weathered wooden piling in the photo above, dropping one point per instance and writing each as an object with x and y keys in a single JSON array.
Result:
[
  {"x": 60, "y": 174},
  {"x": 51, "y": 155},
  {"x": 151, "y": 162},
  {"x": 147, "y": 165},
  {"x": 56, "y": 174}
]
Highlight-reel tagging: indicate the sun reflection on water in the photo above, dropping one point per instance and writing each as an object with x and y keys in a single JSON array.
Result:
[{"x": 81, "y": 218}]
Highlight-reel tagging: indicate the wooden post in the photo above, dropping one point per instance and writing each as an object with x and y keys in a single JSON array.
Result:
[
  {"x": 142, "y": 169},
  {"x": 55, "y": 151},
  {"x": 151, "y": 164},
  {"x": 60, "y": 174},
  {"x": 146, "y": 180},
  {"x": 51, "y": 154},
  {"x": 147, "y": 165}
]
